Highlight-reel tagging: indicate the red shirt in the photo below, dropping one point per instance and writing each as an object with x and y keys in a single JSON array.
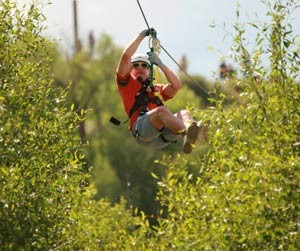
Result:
[{"x": 128, "y": 87}]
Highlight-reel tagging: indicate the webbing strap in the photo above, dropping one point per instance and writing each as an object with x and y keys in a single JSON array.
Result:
[
  {"x": 142, "y": 98},
  {"x": 165, "y": 140}
]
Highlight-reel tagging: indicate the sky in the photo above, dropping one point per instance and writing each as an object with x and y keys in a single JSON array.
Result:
[{"x": 198, "y": 29}]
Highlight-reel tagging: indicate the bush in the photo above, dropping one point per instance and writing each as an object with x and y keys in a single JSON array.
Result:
[
  {"x": 243, "y": 193},
  {"x": 240, "y": 193},
  {"x": 45, "y": 203}
]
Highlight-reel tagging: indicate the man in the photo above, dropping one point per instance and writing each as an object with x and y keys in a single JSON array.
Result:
[{"x": 151, "y": 123}]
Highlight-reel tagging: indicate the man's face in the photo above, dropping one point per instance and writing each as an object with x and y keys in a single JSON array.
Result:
[{"x": 140, "y": 69}]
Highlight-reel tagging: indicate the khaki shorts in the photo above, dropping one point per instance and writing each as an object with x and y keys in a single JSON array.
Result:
[{"x": 147, "y": 135}]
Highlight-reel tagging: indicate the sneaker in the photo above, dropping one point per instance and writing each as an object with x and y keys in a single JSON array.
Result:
[
  {"x": 190, "y": 138},
  {"x": 203, "y": 131}
]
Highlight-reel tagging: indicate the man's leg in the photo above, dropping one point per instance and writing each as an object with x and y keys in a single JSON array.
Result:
[
  {"x": 161, "y": 117},
  {"x": 185, "y": 116},
  {"x": 180, "y": 123}
]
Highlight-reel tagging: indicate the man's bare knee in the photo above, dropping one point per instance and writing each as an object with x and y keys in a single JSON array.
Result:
[
  {"x": 183, "y": 114},
  {"x": 162, "y": 112}
]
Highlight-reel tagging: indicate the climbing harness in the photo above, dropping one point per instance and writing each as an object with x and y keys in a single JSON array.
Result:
[{"x": 142, "y": 100}]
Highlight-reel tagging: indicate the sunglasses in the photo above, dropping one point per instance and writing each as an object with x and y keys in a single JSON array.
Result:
[{"x": 141, "y": 65}]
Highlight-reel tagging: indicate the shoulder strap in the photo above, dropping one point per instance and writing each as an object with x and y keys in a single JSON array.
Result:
[{"x": 142, "y": 98}]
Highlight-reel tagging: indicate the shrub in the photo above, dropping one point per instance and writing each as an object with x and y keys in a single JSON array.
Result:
[{"x": 243, "y": 193}]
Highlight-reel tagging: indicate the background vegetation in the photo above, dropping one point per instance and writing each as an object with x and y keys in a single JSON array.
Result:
[{"x": 72, "y": 181}]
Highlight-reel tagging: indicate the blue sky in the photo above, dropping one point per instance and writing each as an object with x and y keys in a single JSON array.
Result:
[{"x": 183, "y": 26}]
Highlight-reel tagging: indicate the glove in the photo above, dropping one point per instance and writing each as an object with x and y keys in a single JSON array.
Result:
[
  {"x": 154, "y": 59},
  {"x": 145, "y": 33},
  {"x": 148, "y": 32},
  {"x": 153, "y": 32}
]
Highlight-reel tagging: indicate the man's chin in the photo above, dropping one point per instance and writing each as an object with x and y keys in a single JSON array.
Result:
[{"x": 141, "y": 77}]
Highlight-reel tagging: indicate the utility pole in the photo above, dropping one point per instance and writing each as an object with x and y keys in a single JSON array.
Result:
[
  {"x": 77, "y": 48},
  {"x": 77, "y": 44}
]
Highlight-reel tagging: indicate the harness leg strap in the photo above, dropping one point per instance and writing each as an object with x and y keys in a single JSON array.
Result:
[{"x": 165, "y": 140}]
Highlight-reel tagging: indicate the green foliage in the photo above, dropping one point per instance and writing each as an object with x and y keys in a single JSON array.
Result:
[
  {"x": 44, "y": 201},
  {"x": 243, "y": 193},
  {"x": 238, "y": 192},
  {"x": 40, "y": 161}
]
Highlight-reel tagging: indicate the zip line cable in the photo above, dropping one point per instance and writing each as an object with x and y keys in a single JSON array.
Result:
[
  {"x": 141, "y": 9},
  {"x": 196, "y": 83},
  {"x": 193, "y": 81}
]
